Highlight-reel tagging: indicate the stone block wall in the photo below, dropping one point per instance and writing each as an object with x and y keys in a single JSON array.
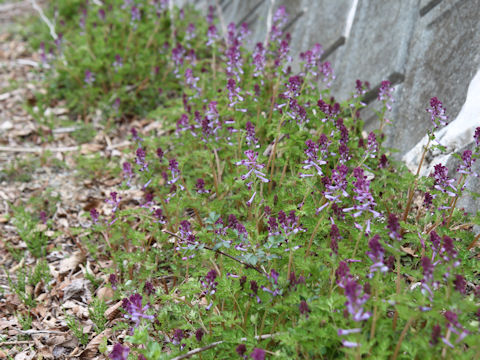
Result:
[{"x": 425, "y": 48}]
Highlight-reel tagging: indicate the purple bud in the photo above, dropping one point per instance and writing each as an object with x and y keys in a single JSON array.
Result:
[
  {"x": 94, "y": 214},
  {"x": 303, "y": 308},
  {"x": 241, "y": 349},
  {"x": 149, "y": 288},
  {"x": 199, "y": 334},
  {"x": 460, "y": 284},
  {"x": 437, "y": 112},
  {"x": 258, "y": 354},
  {"x": 119, "y": 352},
  {"x": 436, "y": 333}
]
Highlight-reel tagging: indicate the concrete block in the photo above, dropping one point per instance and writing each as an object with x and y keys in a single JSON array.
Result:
[
  {"x": 444, "y": 56},
  {"x": 378, "y": 43}
]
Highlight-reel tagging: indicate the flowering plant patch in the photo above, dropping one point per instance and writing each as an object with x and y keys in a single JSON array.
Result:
[{"x": 272, "y": 225}]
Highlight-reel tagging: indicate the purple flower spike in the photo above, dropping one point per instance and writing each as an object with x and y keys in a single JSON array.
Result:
[
  {"x": 241, "y": 350},
  {"x": 436, "y": 333},
  {"x": 94, "y": 214},
  {"x": 133, "y": 306},
  {"x": 385, "y": 94},
  {"x": 376, "y": 255},
  {"x": 476, "y": 136},
  {"x": 252, "y": 166},
  {"x": 258, "y": 354},
  {"x": 89, "y": 77},
  {"x": 437, "y": 112},
  {"x": 199, "y": 334},
  {"x": 303, "y": 308},
  {"x": 442, "y": 182},
  {"x": 119, "y": 352}
]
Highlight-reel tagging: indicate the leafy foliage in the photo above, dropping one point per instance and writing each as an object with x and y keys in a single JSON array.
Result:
[{"x": 270, "y": 223}]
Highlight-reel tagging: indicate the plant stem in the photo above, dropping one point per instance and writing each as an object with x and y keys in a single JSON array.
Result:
[
  {"x": 412, "y": 189},
  {"x": 395, "y": 317},
  {"x": 402, "y": 336}
]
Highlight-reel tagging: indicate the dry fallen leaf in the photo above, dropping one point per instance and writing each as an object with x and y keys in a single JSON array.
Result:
[
  {"x": 112, "y": 312},
  {"x": 105, "y": 293},
  {"x": 71, "y": 263},
  {"x": 92, "y": 348},
  {"x": 408, "y": 251},
  {"x": 78, "y": 289}
]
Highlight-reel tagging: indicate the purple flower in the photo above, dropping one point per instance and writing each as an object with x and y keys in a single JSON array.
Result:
[
  {"x": 209, "y": 283},
  {"x": 112, "y": 279},
  {"x": 190, "y": 32},
  {"x": 311, "y": 59},
  {"x": 252, "y": 166},
  {"x": 460, "y": 284},
  {"x": 43, "y": 217},
  {"x": 118, "y": 63},
  {"x": 372, "y": 145},
  {"x": 178, "y": 335},
  {"x": 466, "y": 167},
  {"x": 383, "y": 162},
  {"x": 119, "y": 352},
  {"x": 442, "y": 182},
  {"x": 427, "y": 200},
  {"x": 135, "y": 14},
  {"x": 241, "y": 349},
  {"x": 428, "y": 283},
  {"x": 199, "y": 334},
  {"x": 258, "y": 354},
  {"x": 385, "y": 94},
  {"x": 101, "y": 14},
  {"x": 259, "y": 59},
  {"x": 250, "y": 137},
  {"x": 355, "y": 301},
  {"x": 337, "y": 187},
  {"x": 192, "y": 81},
  {"x": 311, "y": 151},
  {"x": 178, "y": 53},
  {"x": 437, "y": 112},
  {"x": 376, "y": 254},
  {"x": 200, "y": 187},
  {"x": 455, "y": 327},
  {"x": 133, "y": 306},
  {"x": 211, "y": 14},
  {"x": 327, "y": 71},
  {"x": 476, "y": 136},
  {"x": 127, "y": 172},
  {"x": 94, "y": 214},
  {"x": 303, "y": 308},
  {"x": 149, "y": 288},
  {"x": 173, "y": 167},
  {"x": 361, "y": 88},
  {"x": 89, "y": 77},
  {"x": 394, "y": 227},
  {"x": 363, "y": 197},
  {"x": 212, "y": 35},
  {"x": 140, "y": 159},
  {"x": 436, "y": 333},
  {"x": 342, "y": 274},
  {"x": 233, "y": 92}
]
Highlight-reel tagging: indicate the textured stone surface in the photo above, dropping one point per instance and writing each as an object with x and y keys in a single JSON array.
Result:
[
  {"x": 444, "y": 56},
  {"x": 322, "y": 21},
  {"x": 378, "y": 43}
]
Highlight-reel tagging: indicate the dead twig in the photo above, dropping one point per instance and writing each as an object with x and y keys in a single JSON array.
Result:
[
  {"x": 221, "y": 253},
  {"x": 18, "y": 342},
  {"x": 51, "y": 28}
]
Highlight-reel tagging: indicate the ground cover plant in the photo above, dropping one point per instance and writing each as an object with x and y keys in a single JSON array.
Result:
[{"x": 271, "y": 225}]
